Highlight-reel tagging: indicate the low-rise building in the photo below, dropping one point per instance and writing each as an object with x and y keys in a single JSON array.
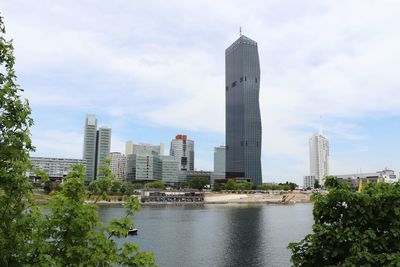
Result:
[
  {"x": 386, "y": 175},
  {"x": 308, "y": 182},
  {"x": 172, "y": 196},
  {"x": 55, "y": 168}
]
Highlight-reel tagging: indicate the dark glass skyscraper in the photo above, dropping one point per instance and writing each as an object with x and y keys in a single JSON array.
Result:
[{"x": 242, "y": 110}]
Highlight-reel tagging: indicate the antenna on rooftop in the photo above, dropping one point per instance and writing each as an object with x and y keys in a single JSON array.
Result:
[
  {"x": 240, "y": 31},
  {"x": 320, "y": 124}
]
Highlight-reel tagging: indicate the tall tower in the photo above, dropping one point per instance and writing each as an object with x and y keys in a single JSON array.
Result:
[
  {"x": 319, "y": 157},
  {"x": 89, "y": 146},
  {"x": 242, "y": 110},
  {"x": 183, "y": 151},
  {"x": 103, "y": 145},
  {"x": 96, "y": 146}
]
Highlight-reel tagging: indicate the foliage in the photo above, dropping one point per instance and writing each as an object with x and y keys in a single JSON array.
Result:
[
  {"x": 15, "y": 144},
  {"x": 353, "y": 229},
  {"x": 316, "y": 184},
  {"x": 198, "y": 183},
  {"x": 217, "y": 187},
  {"x": 70, "y": 234},
  {"x": 155, "y": 185},
  {"x": 282, "y": 186}
]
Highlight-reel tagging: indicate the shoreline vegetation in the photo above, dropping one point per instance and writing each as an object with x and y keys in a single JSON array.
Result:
[{"x": 210, "y": 198}]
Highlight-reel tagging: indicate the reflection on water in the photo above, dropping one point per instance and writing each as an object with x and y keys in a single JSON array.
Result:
[{"x": 219, "y": 235}]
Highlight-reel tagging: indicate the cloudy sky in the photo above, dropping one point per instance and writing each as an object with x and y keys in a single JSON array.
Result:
[{"x": 153, "y": 69}]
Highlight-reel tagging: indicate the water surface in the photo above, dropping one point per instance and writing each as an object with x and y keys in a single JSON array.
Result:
[{"x": 219, "y": 235}]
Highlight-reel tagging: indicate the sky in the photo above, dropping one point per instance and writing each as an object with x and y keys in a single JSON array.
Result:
[{"x": 154, "y": 69}]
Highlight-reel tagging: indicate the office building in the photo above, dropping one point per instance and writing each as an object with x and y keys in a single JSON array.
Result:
[
  {"x": 308, "y": 182},
  {"x": 219, "y": 159},
  {"x": 132, "y": 148},
  {"x": 55, "y": 168},
  {"x": 103, "y": 146},
  {"x": 118, "y": 165},
  {"x": 169, "y": 169},
  {"x": 243, "y": 119},
  {"x": 89, "y": 146},
  {"x": 96, "y": 147},
  {"x": 319, "y": 157},
  {"x": 144, "y": 166},
  {"x": 182, "y": 149}
]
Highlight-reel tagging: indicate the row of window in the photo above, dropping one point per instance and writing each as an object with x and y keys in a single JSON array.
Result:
[
  {"x": 243, "y": 143},
  {"x": 241, "y": 80}
]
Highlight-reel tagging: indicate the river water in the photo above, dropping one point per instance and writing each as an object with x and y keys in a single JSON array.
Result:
[{"x": 218, "y": 235}]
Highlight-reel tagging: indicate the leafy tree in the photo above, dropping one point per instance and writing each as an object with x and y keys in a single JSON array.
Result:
[
  {"x": 351, "y": 228},
  {"x": 155, "y": 185},
  {"x": 198, "y": 183},
  {"x": 316, "y": 184},
  {"x": 71, "y": 234},
  {"x": 230, "y": 185},
  {"x": 16, "y": 219},
  {"x": 217, "y": 187}
]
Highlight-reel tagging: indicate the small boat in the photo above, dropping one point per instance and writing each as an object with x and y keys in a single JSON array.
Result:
[{"x": 132, "y": 231}]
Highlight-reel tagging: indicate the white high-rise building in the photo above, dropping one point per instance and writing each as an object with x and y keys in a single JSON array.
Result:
[
  {"x": 96, "y": 146},
  {"x": 118, "y": 165},
  {"x": 183, "y": 151},
  {"x": 319, "y": 157},
  {"x": 89, "y": 146}
]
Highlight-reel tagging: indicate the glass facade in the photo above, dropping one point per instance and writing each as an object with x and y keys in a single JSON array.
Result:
[{"x": 243, "y": 119}]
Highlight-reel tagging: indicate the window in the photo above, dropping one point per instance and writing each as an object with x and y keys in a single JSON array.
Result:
[
  {"x": 241, "y": 143},
  {"x": 246, "y": 143},
  {"x": 226, "y": 88},
  {"x": 234, "y": 84},
  {"x": 241, "y": 79},
  {"x": 256, "y": 79},
  {"x": 245, "y": 78}
]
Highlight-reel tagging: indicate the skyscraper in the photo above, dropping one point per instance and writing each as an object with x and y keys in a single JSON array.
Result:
[
  {"x": 89, "y": 146},
  {"x": 96, "y": 146},
  {"x": 242, "y": 110},
  {"x": 319, "y": 157},
  {"x": 103, "y": 145},
  {"x": 183, "y": 151}
]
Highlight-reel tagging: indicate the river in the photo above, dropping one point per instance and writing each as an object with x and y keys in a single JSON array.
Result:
[{"x": 218, "y": 235}]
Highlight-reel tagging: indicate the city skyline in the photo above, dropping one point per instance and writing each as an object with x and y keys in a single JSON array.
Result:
[{"x": 150, "y": 79}]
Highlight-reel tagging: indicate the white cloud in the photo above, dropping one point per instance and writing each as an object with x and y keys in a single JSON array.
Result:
[{"x": 163, "y": 62}]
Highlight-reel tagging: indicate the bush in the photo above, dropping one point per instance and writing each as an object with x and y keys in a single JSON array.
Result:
[{"x": 351, "y": 228}]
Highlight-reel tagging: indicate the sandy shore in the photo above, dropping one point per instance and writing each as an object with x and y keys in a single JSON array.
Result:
[{"x": 286, "y": 198}]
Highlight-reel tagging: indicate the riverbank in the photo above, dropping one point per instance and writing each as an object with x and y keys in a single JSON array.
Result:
[{"x": 212, "y": 198}]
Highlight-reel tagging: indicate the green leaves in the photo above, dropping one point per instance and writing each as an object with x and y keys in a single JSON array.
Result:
[
  {"x": 352, "y": 229},
  {"x": 68, "y": 231}
]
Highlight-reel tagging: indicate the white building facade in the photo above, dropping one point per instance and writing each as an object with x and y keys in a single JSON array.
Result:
[
  {"x": 55, "y": 168},
  {"x": 308, "y": 182},
  {"x": 118, "y": 165},
  {"x": 319, "y": 157}
]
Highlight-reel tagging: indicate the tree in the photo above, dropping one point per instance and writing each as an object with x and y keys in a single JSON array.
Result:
[
  {"x": 198, "y": 183},
  {"x": 71, "y": 234},
  {"x": 351, "y": 228},
  {"x": 16, "y": 219},
  {"x": 155, "y": 185},
  {"x": 230, "y": 185},
  {"x": 316, "y": 184}
]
